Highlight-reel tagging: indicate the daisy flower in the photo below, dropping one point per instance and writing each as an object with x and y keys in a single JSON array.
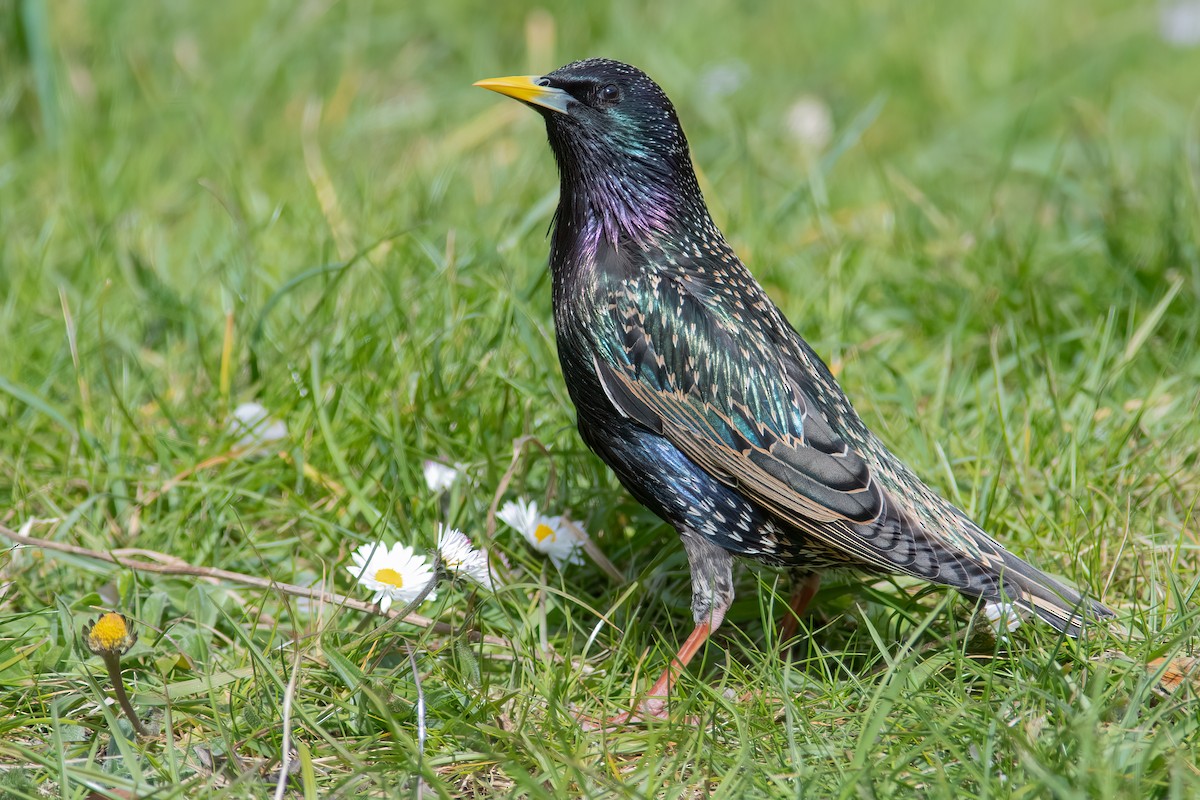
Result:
[
  {"x": 461, "y": 559},
  {"x": 551, "y": 536},
  {"x": 256, "y": 427},
  {"x": 810, "y": 123},
  {"x": 397, "y": 575},
  {"x": 1179, "y": 23},
  {"x": 438, "y": 476},
  {"x": 1003, "y": 617}
]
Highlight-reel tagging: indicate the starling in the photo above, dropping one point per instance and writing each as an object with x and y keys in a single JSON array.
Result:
[{"x": 698, "y": 393}]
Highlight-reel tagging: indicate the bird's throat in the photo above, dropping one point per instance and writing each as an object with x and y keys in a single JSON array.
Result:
[{"x": 610, "y": 209}]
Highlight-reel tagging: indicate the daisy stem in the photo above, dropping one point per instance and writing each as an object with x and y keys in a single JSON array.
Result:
[{"x": 112, "y": 662}]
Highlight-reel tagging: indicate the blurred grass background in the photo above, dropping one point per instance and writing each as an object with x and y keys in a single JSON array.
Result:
[{"x": 985, "y": 216}]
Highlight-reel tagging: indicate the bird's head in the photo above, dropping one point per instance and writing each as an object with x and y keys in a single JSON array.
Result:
[{"x": 622, "y": 157}]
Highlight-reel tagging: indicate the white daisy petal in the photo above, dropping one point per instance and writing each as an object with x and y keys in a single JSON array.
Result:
[
  {"x": 520, "y": 515},
  {"x": 396, "y": 574},
  {"x": 1003, "y": 616},
  {"x": 550, "y": 536},
  {"x": 498, "y": 563},
  {"x": 559, "y": 541},
  {"x": 461, "y": 559},
  {"x": 1179, "y": 23},
  {"x": 256, "y": 427},
  {"x": 810, "y": 123},
  {"x": 438, "y": 476}
]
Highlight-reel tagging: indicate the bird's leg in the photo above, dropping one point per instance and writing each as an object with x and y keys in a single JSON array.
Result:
[
  {"x": 803, "y": 588},
  {"x": 655, "y": 702},
  {"x": 712, "y": 594}
]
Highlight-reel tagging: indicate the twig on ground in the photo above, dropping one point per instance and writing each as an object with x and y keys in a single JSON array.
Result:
[{"x": 172, "y": 566}]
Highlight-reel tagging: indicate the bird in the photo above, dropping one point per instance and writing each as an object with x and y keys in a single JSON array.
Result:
[{"x": 699, "y": 394}]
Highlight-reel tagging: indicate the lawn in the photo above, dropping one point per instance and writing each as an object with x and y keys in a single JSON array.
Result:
[{"x": 986, "y": 217}]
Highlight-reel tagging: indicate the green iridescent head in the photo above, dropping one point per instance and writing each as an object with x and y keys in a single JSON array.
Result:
[{"x": 621, "y": 152}]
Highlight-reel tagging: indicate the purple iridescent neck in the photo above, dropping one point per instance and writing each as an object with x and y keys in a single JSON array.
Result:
[{"x": 624, "y": 187}]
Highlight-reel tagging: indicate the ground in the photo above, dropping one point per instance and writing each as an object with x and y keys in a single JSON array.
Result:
[{"x": 986, "y": 217}]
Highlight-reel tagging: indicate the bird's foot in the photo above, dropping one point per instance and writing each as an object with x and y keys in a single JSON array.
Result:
[{"x": 654, "y": 706}]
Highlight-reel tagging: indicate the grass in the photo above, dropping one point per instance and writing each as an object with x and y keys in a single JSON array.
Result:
[{"x": 308, "y": 206}]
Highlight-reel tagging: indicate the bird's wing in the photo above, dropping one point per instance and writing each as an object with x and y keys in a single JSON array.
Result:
[
  {"x": 688, "y": 364},
  {"x": 699, "y": 374}
]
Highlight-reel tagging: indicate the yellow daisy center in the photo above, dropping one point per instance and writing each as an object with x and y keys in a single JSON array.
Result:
[
  {"x": 109, "y": 634},
  {"x": 390, "y": 576},
  {"x": 542, "y": 531}
]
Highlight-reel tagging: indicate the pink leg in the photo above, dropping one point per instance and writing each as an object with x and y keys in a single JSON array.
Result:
[
  {"x": 655, "y": 703},
  {"x": 802, "y": 595}
]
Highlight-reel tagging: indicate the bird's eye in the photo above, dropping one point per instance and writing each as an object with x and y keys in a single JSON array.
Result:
[{"x": 609, "y": 95}]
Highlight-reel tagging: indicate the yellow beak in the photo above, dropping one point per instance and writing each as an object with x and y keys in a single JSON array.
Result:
[{"x": 527, "y": 89}]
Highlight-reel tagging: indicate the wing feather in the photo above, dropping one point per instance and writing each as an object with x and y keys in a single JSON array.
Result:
[
  {"x": 747, "y": 405},
  {"x": 721, "y": 394}
]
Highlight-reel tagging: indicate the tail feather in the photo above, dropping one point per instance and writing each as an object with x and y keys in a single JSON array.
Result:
[
  {"x": 1035, "y": 591},
  {"x": 983, "y": 569},
  {"x": 998, "y": 575}
]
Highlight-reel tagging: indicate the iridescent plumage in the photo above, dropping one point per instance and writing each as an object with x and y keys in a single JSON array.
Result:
[{"x": 693, "y": 387}]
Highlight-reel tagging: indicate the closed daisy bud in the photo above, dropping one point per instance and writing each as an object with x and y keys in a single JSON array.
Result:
[{"x": 109, "y": 635}]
